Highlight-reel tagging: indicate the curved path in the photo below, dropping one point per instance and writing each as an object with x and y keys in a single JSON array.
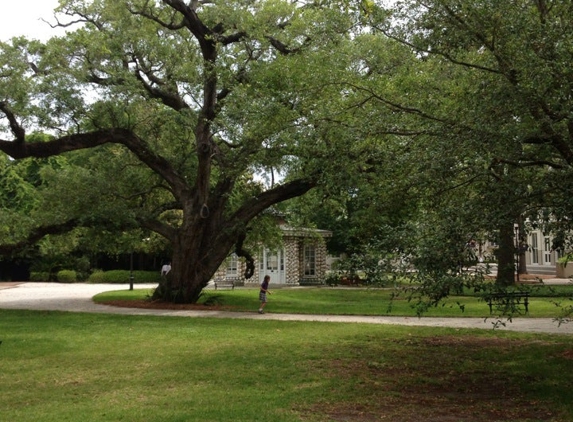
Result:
[{"x": 78, "y": 298}]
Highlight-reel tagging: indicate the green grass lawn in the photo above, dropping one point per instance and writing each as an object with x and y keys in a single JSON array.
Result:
[
  {"x": 57, "y": 366},
  {"x": 543, "y": 303}
]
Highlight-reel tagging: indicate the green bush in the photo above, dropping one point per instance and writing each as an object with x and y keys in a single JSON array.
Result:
[
  {"x": 122, "y": 276},
  {"x": 67, "y": 276},
  {"x": 332, "y": 278},
  {"x": 146, "y": 276},
  {"x": 39, "y": 276},
  {"x": 97, "y": 277}
]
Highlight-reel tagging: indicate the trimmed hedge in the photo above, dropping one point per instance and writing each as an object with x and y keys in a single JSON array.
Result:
[
  {"x": 63, "y": 276},
  {"x": 39, "y": 276},
  {"x": 67, "y": 276},
  {"x": 122, "y": 277}
]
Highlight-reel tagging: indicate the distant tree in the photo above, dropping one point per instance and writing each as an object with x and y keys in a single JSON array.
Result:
[{"x": 490, "y": 90}]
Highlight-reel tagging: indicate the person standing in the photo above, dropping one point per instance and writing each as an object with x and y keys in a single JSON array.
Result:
[
  {"x": 165, "y": 269},
  {"x": 263, "y": 293}
]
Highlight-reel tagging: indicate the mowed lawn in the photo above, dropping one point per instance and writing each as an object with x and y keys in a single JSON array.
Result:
[
  {"x": 57, "y": 366},
  {"x": 545, "y": 302}
]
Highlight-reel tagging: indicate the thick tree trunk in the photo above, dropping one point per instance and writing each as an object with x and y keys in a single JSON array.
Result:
[
  {"x": 506, "y": 256},
  {"x": 206, "y": 237},
  {"x": 191, "y": 270}
]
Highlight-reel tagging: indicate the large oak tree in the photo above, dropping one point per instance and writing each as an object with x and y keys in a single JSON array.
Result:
[{"x": 183, "y": 101}]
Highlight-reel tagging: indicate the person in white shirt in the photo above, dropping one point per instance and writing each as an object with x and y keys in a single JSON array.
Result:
[{"x": 165, "y": 269}]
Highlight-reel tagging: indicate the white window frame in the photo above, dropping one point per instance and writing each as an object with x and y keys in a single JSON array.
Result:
[
  {"x": 232, "y": 266},
  {"x": 309, "y": 261}
]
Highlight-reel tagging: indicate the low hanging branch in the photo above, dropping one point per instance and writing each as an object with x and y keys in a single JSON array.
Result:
[{"x": 20, "y": 149}]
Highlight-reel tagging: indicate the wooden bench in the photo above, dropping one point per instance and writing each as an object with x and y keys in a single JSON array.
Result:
[
  {"x": 509, "y": 300},
  {"x": 225, "y": 283}
]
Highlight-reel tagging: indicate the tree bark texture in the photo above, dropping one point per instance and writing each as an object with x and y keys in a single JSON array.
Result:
[{"x": 506, "y": 256}]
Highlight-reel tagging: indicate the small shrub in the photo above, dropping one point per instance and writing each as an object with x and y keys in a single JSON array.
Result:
[
  {"x": 67, "y": 276},
  {"x": 96, "y": 277},
  {"x": 39, "y": 276},
  {"x": 146, "y": 276},
  {"x": 332, "y": 279},
  {"x": 116, "y": 276}
]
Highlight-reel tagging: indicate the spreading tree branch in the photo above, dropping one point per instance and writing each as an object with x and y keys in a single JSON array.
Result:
[
  {"x": 172, "y": 25},
  {"x": 79, "y": 141},
  {"x": 15, "y": 127},
  {"x": 21, "y": 149},
  {"x": 280, "y": 193}
]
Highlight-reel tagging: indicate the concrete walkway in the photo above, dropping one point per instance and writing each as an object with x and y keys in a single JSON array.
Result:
[{"x": 78, "y": 298}]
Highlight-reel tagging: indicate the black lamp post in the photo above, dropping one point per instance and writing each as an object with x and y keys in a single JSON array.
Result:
[
  {"x": 131, "y": 271},
  {"x": 517, "y": 252}
]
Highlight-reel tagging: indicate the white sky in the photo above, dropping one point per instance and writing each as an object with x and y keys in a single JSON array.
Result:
[{"x": 23, "y": 17}]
